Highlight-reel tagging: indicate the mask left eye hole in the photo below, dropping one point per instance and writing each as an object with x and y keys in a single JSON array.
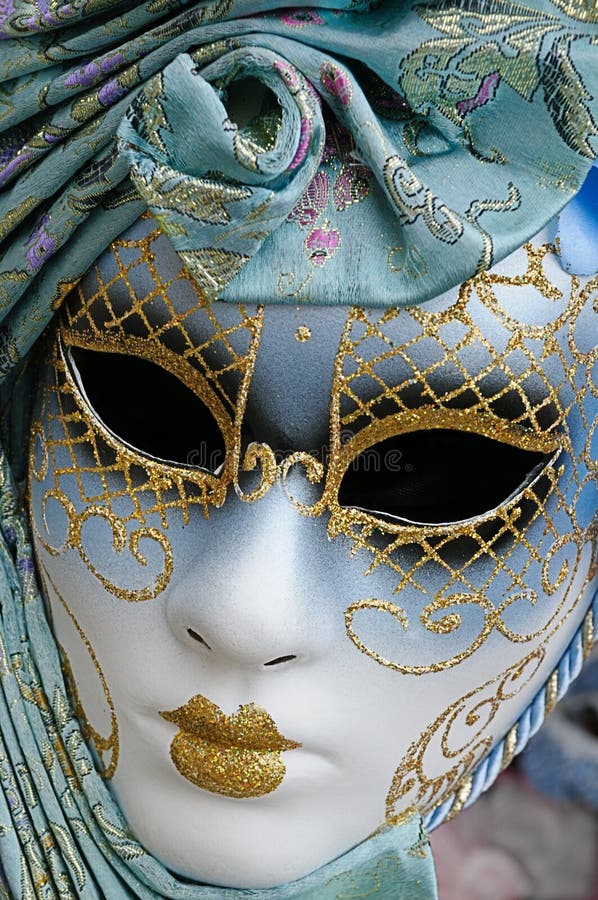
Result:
[
  {"x": 437, "y": 476},
  {"x": 149, "y": 409}
]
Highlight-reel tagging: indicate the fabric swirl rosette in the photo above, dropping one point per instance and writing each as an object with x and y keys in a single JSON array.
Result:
[{"x": 218, "y": 190}]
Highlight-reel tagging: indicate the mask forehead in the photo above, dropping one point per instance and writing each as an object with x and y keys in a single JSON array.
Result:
[{"x": 499, "y": 345}]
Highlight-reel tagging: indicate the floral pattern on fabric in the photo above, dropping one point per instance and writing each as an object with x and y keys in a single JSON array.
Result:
[{"x": 424, "y": 89}]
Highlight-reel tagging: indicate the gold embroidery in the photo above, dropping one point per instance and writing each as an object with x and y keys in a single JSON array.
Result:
[{"x": 582, "y": 10}]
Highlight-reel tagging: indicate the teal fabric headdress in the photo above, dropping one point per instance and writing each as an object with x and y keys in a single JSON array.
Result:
[{"x": 447, "y": 133}]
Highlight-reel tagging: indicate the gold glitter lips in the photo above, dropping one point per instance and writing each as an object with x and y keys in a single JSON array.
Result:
[{"x": 237, "y": 755}]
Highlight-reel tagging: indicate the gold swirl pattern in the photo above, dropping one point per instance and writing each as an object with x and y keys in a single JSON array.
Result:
[
  {"x": 258, "y": 455},
  {"x": 471, "y": 716},
  {"x": 121, "y": 540},
  {"x": 102, "y": 744},
  {"x": 426, "y": 791}
]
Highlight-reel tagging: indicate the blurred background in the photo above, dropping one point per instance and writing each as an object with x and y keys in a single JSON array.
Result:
[{"x": 534, "y": 834}]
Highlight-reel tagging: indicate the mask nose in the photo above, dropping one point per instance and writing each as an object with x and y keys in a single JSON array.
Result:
[{"x": 249, "y": 595}]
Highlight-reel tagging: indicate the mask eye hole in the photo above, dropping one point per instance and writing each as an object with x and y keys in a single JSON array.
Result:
[
  {"x": 437, "y": 476},
  {"x": 149, "y": 409}
]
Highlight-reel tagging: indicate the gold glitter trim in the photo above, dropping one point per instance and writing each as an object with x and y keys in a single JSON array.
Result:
[
  {"x": 71, "y": 446},
  {"x": 551, "y": 692},
  {"x": 588, "y": 635},
  {"x": 509, "y": 746},
  {"x": 461, "y": 797},
  {"x": 303, "y": 334}
]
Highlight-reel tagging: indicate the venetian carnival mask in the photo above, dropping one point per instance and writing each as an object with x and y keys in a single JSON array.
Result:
[
  {"x": 313, "y": 450},
  {"x": 311, "y": 567}
]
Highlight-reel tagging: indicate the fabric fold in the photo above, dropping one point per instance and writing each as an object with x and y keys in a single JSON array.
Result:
[
  {"x": 224, "y": 193},
  {"x": 438, "y": 109}
]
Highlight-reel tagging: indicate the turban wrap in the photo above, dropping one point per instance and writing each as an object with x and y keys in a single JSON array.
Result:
[
  {"x": 401, "y": 147},
  {"x": 463, "y": 127}
]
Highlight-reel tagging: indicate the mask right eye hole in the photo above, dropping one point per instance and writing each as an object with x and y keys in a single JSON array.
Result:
[
  {"x": 149, "y": 409},
  {"x": 438, "y": 477}
]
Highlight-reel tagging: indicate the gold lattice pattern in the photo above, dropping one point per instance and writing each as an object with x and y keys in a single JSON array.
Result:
[
  {"x": 95, "y": 320},
  {"x": 113, "y": 481}
]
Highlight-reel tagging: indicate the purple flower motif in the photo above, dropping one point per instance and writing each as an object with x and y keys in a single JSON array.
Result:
[
  {"x": 111, "y": 62},
  {"x": 299, "y": 18},
  {"x": 13, "y": 166},
  {"x": 336, "y": 81},
  {"x": 84, "y": 76},
  {"x": 88, "y": 74},
  {"x": 321, "y": 244},
  {"x": 288, "y": 74},
  {"x": 44, "y": 14},
  {"x": 40, "y": 245},
  {"x": 33, "y": 23},
  {"x": 9, "y": 152},
  {"x": 25, "y": 566},
  {"x": 302, "y": 148},
  {"x": 485, "y": 93},
  {"x": 351, "y": 186},
  {"x": 111, "y": 92},
  {"x": 313, "y": 202},
  {"x": 7, "y": 8}
]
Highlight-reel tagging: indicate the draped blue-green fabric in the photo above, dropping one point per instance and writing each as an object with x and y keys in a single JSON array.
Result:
[{"x": 463, "y": 127}]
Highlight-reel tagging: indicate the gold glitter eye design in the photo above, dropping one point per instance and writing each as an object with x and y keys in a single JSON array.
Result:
[
  {"x": 437, "y": 476},
  {"x": 149, "y": 409},
  {"x": 99, "y": 457},
  {"x": 473, "y": 559}
]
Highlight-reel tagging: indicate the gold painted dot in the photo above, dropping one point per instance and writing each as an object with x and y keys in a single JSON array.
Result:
[{"x": 303, "y": 334}]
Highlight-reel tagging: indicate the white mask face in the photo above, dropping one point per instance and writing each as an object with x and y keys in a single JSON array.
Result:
[{"x": 276, "y": 646}]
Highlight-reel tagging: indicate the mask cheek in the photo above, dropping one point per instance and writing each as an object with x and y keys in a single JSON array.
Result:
[{"x": 87, "y": 684}]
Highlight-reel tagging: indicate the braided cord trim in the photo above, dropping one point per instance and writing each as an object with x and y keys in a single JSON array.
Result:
[{"x": 514, "y": 741}]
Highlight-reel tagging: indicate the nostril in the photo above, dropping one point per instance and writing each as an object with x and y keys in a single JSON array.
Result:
[
  {"x": 280, "y": 659},
  {"x": 197, "y": 637}
]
